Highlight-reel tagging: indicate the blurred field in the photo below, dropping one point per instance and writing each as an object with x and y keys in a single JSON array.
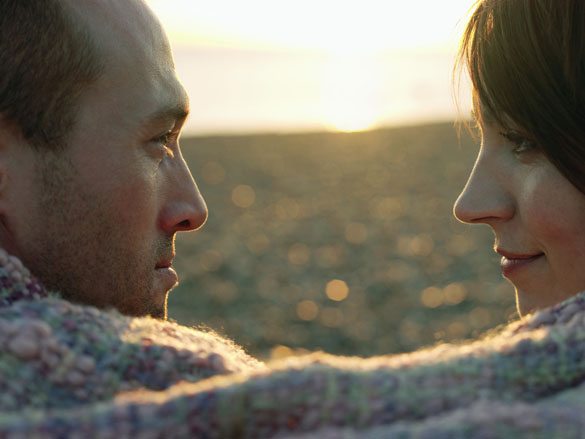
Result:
[{"x": 342, "y": 242}]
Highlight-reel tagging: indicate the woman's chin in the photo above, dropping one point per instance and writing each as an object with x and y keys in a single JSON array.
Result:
[{"x": 529, "y": 301}]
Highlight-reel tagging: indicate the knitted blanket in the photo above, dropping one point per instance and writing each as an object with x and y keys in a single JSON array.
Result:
[{"x": 75, "y": 371}]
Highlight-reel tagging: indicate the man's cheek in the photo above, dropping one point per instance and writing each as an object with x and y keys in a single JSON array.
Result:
[{"x": 135, "y": 204}]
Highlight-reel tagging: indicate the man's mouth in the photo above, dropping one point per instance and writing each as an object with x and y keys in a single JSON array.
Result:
[
  {"x": 165, "y": 262},
  {"x": 511, "y": 263},
  {"x": 166, "y": 273}
]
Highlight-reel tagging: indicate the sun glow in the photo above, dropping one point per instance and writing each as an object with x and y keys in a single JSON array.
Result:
[
  {"x": 313, "y": 64},
  {"x": 348, "y": 123},
  {"x": 363, "y": 26},
  {"x": 350, "y": 98}
]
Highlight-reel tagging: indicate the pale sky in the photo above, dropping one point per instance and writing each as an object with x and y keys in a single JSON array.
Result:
[
  {"x": 283, "y": 65},
  {"x": 336, "y": 25}
]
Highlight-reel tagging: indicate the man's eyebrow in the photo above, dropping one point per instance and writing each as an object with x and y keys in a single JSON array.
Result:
[{"x": 172, "y": 112}]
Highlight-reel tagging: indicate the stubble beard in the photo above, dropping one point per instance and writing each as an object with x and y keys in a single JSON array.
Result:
[{"x": 82, "y": 252}]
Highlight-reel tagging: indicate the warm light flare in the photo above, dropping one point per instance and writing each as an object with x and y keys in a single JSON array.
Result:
[
  {"x": 262, "y": 65},
  {"x": 349, "y": 97},
  {"x": 363, "y": 26}
]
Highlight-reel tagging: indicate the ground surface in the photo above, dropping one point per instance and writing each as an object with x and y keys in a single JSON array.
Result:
[{"x": 340, "y": 242}]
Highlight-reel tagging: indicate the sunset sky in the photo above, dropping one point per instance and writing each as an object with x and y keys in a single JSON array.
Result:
[{"x": 265, "y": 65}]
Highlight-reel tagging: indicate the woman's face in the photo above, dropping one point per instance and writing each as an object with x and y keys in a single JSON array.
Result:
[{"x": 537, "y": 216}]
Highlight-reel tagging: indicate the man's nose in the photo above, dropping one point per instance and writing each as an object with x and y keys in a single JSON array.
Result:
[
  {"x": 486, "y": 198},
  {"x": 185, "y": 209}
]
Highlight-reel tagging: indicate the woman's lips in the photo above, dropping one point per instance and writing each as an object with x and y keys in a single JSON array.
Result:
[{"x": 510, "y": 263}]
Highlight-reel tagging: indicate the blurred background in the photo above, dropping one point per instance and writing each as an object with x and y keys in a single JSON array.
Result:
[{"x": 322, "y": 135}]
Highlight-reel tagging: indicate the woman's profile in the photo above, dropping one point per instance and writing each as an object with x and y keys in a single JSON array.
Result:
[{"x": 526, "y": 60}]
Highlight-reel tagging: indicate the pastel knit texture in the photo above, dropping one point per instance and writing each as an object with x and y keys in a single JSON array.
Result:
[{"x": 74, "y": 371}]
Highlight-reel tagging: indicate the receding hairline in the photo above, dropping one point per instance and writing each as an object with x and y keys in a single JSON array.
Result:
[
  {"x": 113, "y": 56},
  {"x": 121, "y": 28}
]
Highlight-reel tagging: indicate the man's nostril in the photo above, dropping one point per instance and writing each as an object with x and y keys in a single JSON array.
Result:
[{"x": 186, "y": 224}]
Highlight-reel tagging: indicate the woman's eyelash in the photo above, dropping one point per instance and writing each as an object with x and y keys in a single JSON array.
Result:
[{"x": 521, "y": 143}]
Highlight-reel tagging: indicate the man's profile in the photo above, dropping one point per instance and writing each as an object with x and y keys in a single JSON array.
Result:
[{"x": 93, "y": 187}]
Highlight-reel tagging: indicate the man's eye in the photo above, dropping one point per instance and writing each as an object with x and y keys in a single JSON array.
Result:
[
  {"x": 521, "y": 143},
  {"x": 164, "y": 142}
]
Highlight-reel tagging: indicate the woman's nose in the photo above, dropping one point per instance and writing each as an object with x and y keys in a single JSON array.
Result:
[{"x": 486, "y": 198}]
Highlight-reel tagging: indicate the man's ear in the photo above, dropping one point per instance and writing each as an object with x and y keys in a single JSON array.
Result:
[
  {"x": 16, "y": 162},
  {"x": 15, "y": 152},
  {"x": 8, "y": 136},
  {"x": 11, "y": 142}
]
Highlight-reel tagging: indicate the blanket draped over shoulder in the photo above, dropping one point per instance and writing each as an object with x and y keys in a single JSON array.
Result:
[{"x": 75, "y": 371}]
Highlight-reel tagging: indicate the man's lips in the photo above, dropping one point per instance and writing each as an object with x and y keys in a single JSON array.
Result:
[
  {"x": 166, "y": 273},
  {"x": 168, "y": 277},
  {"x": 512, "y": 262},
  {"x": 164, "y": 263}
]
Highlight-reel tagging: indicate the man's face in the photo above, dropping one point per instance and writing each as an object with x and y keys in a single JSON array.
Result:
[{"x": 97, "y": 221}]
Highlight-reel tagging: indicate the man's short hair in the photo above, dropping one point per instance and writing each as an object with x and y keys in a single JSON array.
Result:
[{"x": 46, "y": 61}]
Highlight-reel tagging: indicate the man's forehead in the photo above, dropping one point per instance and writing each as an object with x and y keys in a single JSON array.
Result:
[
  {"x": 139, "y": 82},
  {"x": 127, "y": 26}
]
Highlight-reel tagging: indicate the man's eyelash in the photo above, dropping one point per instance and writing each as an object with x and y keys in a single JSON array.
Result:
[{"x": 166, "y": 138}]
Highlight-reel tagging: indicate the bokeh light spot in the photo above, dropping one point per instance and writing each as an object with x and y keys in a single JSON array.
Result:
[
  {"x": 213, "y": 173},
  {"x": 329, "y": 256},
  {"x": 387, "y": 208},
  {"x": 287, "y": 208},
  {"x": 258, "y": 243},
  {"x": 307, "y": 310},
  {"x": 337, "y": 290},
  {"x": 418, "y": 245},
  {"x": 299, "y": 254},
  {"x": 454, "y": 293},
  {"x": 211, "y": 260},
  {"x": 432, "y": 297},
  {"x": 460, "y": 245},
  {"x": 356, "y": 233},
  {"x": 243, "y": 196}
]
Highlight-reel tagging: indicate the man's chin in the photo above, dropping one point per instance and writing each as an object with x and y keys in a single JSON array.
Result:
[
  {"x": 160, "y": 312},
  {"x": 152, "y": 305},
  {"x": 134, "y": 304}
]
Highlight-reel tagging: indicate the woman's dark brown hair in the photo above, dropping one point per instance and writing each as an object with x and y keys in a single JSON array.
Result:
[{"x": 526, "y": 60}]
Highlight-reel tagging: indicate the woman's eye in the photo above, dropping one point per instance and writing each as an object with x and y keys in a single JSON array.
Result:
[{"x": 521, "y": 143}]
